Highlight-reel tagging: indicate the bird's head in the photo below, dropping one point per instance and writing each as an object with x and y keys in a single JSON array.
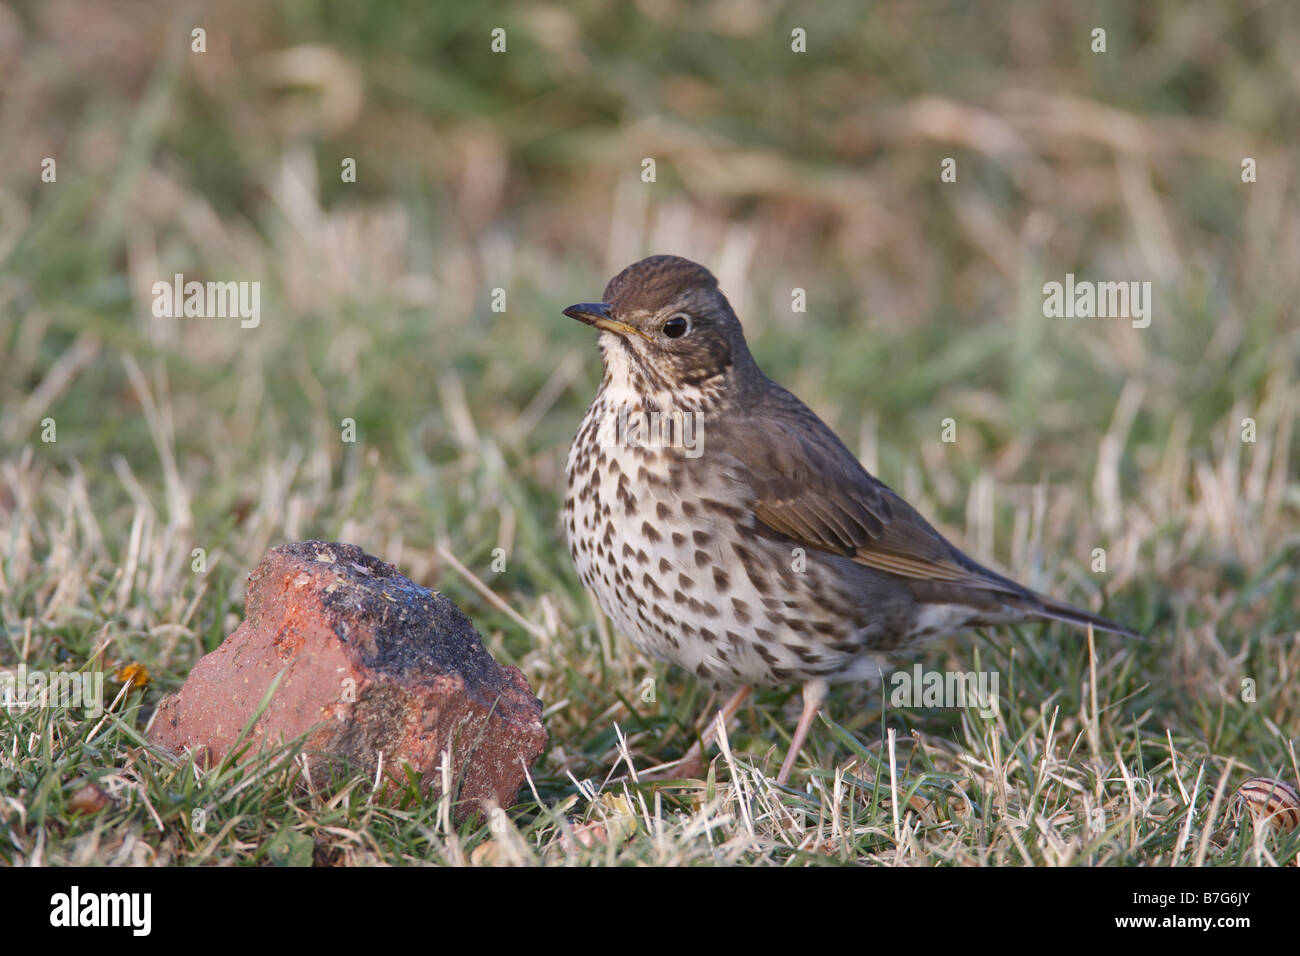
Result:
[{"x": 665, "y": 324}]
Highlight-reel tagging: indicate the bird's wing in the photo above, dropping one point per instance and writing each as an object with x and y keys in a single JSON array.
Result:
[{"x": 807, "y": 486}]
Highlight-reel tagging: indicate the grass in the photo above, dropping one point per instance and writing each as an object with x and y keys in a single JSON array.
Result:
[{"x": 521, "y": 172}]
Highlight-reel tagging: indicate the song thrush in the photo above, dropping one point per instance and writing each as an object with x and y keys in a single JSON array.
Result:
[{"x": 726, "y": 529}]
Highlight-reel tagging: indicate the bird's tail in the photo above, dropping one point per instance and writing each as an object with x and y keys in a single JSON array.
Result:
[
  {"x": 1024, "y": 599},
  {"x": 1060, "y": 611}
]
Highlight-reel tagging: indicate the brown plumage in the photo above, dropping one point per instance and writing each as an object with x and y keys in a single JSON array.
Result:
[{"x": 764, "y": 554}]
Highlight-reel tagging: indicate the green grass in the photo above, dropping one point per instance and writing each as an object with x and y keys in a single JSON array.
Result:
[{"x": 521, "y": 172}]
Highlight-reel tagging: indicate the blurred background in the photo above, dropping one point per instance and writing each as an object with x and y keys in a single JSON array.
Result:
[{"x": 522, "y": 171}]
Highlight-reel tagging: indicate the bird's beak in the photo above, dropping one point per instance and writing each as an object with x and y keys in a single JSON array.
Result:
[{"x": 596, "y": 314}]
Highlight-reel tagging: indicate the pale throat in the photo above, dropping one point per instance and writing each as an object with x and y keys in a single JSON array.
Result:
[
  {"x": 632, "y": 410},
  {"x": 626, "y": 384}
]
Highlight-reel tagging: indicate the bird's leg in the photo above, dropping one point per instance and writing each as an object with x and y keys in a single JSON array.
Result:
[
  {"x": 725, "y": 714},
  {"x": 706, "y": 714},
  {"x": 814, "y": 695},
  {"x": 693, "y": 762}
]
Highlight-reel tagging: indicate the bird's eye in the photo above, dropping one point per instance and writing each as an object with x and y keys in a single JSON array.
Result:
[{"x": 677, "y": 325}]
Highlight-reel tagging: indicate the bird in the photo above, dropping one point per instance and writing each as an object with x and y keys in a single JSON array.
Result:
[{"x": 724, "y": 528}]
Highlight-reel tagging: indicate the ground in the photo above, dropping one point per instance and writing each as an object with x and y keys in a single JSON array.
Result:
[{"x": 1148, "y": 471}]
